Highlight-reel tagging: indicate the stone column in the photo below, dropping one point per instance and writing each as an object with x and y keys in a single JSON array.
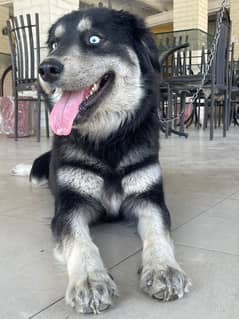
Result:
[
  {"x": 234, "y": 13},
  {"x": 190, "y": 14}
]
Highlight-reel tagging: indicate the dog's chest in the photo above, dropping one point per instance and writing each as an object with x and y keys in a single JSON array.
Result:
[
  {"x": 87, "y": 183},
  {"x": 112, "y": 202}
]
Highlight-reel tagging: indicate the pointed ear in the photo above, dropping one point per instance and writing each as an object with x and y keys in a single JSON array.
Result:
[
  {"x": 146, "y": 44},
  {"x": 151, "y": 50}
]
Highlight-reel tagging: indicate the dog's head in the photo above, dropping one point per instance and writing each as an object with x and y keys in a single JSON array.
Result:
[{"x": 99, "y": 65}]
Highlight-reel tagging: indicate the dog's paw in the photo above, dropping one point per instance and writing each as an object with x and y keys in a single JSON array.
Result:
[
  {"x": 21, "y": 170},
  {"x": 93, "y": 295},
  {"x": 164, "y": 283}
]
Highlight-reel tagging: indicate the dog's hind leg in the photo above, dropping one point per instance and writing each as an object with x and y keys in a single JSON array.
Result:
[
  {"x": 39, "y": 173},
  {"x": 90, "y": 288}
]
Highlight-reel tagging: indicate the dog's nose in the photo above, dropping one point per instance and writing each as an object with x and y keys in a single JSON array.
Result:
[{"x": 50, "y": 70}]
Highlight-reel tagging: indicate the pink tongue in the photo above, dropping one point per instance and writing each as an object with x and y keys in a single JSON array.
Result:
[{"x": 65, "y": 111}]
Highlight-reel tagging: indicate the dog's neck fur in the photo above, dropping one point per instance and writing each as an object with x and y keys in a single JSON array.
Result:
[{"x": 139, "y": 131}]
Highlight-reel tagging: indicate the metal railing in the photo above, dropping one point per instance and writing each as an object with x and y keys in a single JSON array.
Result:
[{"x": 195, "y": 37}]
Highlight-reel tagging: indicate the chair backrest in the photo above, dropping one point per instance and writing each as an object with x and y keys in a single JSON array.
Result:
[
  {"x": 24, "y": 40},
  {"x": 222, "y": 51}
]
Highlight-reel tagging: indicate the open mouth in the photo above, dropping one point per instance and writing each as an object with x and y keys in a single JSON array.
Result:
[
  {"x": 75, "y": 105},
  {"x": 95, "y": 92}
]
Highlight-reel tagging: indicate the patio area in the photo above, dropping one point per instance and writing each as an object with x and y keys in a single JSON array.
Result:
[{"x": 202, "y": 190}]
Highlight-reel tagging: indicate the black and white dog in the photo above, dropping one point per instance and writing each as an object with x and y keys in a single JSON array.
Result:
[{"x": 100, "y": 79}]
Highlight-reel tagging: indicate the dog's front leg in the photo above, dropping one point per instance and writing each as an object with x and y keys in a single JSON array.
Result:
[
  {"x": 161, "y": 275},
  {"x": 90, "y": 288}
]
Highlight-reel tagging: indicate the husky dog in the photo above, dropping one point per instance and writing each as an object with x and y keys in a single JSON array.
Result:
[{"x": 101, "y": 84}]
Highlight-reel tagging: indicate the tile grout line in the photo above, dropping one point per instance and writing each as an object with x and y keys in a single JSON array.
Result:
[
  {"x": 206, "y": 249},
  {"x": 138, "y": 250},
  {"x": 126, "y": 258},
  {"x": 60, "y": 299},
  {"x": 45, "y": 308},
  {"x": 203, "y": 212}
]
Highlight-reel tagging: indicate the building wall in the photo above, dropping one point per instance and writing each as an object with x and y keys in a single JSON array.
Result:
[
  {"x": 49, "y": 12},
  {"x": 5, "y": 60},
  {"x": 234, "y": 13},
  {"x": 162, "y": 28},
  {"x": 189, "y": 16},
  {"x": 4, "y": 15}
]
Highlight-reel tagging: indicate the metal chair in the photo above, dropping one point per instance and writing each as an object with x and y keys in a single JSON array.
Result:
[
  {"x": 234, "y": 92},
  {"x": 219, "y": 84},
  {"x": 181, "y": 80},
  {"x": 24, "y": 40},
  {"x": 178, "y": 81}
]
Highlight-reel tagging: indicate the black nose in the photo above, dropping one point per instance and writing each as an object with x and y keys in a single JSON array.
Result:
[{"x": 50, "y": 70}]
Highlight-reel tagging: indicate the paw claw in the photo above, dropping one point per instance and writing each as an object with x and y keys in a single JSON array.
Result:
[
  {"x": 164, "y": 284},
  {"x": 94, "y": 295}
]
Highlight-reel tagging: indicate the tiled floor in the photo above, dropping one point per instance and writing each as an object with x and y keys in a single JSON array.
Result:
[{"x": 202, "y": 189}]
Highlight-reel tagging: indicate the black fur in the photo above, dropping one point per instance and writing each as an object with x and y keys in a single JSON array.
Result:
[{"x": 137, "y": 132}]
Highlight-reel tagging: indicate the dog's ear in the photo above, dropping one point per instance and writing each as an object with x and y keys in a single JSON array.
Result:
[
  {"x": 146, "y": 44},
  {"x": 151, "y": 50}
]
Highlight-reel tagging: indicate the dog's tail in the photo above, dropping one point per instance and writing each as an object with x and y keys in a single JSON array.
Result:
[{"x": 38, "y": 172}]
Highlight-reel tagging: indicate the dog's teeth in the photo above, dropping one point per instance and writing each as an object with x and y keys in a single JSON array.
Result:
[{"x": 96, "y": 86}]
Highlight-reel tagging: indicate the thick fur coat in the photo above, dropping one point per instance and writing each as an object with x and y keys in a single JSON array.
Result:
[{"x": 104, "y": 161}]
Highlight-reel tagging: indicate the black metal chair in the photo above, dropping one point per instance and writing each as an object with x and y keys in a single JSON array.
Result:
[
  {"x": 219, "y": 84},
  {"x": 24, "y": 40},
  {"x": 234, "y": 92},
  {"x": 182, "y": 81},
  {"x": 176, "y": 82}
]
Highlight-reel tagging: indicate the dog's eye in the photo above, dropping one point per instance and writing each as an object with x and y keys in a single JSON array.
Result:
[
  {"x": 94, "y": 39},
  {"x": 54, "y": 45}
]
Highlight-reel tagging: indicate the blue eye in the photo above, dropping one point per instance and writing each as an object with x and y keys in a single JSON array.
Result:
[
  {"x": 54, "y": 45},
  {"x": 94, "y": 39}
]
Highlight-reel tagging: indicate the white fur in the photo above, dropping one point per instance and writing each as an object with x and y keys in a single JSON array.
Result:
[
  {"x": 21, "y": 170},
  {"x": 112, "y": 203},
  {"x": 60, "y": 30},
  {"x": 134, "y": 156},
  {"x": 140, "y": 180},
  {"x": 84, "y": 24},
  {"x": 82, "y": 181},
  {"x": 39, "y": 181},
  {"x": 55, "y": 97},
  {"x": 81, "y": 70},
  {"x": 81, "y": 256},
  {"x": 80, "y": 243},
  {"x": 54, "y": 94},
  {"x": 71, "y": 153},
  {"x": 116, "y": 107},
  {"x": 158, "y": 246}
]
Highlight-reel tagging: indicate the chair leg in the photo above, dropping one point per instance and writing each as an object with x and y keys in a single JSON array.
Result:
[
  {"x": 219, "y": 114},
  {"x": 198, "y": 114},
  {"x": 15, "y": 115},
  {"x": 212, "y": 114},
  {"x": 205, "y": 118},
  {"x": 182, "y": 109},
  {"x": 229, "y": 111},
  {"x": 38, "y": 120},
  {"x": 225, "y": 115},
  {"x": 169, "y": 111},
  {"x": 47, "y": 122}
]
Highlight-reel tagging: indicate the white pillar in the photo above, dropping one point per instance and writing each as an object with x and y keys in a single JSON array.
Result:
[{"x": 190, "y": 14}]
